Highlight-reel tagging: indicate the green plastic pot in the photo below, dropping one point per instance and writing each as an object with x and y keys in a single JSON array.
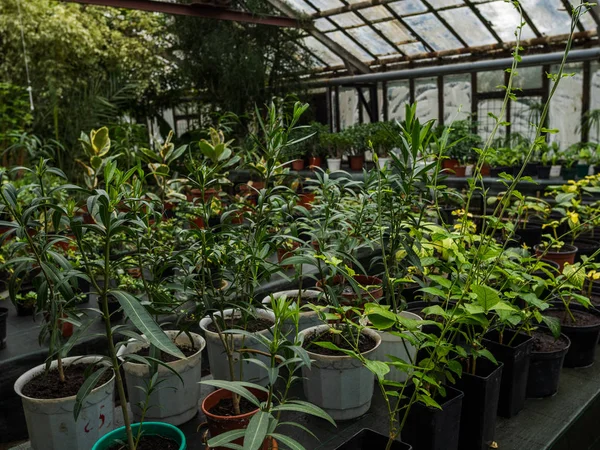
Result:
[{"x": 150, "y": 429}]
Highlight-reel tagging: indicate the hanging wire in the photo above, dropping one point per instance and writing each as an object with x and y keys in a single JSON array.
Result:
[{"x": 29, "y": 88}]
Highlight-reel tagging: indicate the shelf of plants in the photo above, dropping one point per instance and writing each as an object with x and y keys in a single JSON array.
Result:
[{"x": 397, "y": 287}]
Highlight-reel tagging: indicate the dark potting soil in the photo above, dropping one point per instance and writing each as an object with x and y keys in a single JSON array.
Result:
[
  {"x": 150, "y": 443},
  {"x": 225, "y": 407},
  {"x": 582, "y": 319},
  {"x": 252, "y": 325},
  {"x": 545, "y": 342},
  {"x": 365, "y": 343},
  {"x": 49, "y": 386},
  {"x": 167, "y": 357}
]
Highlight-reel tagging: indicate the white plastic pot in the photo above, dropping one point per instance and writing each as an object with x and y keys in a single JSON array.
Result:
[
  {"x": 172, "y": 402},
  {"x": 341, "y": 385},
  {"x": 308, "y": 318},
  {"x": 334, "y": 164},
  {"x": 555, "y": 171},
  {"x": 217, "y": 358},
  {"x": 394, "y": 345},
  {"x": 383, "y": 162},
  {"x": 50, "y": 422}
]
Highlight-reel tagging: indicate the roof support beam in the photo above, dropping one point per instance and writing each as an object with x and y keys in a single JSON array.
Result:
[
  {"x": 195, "y": 10},
  {"x": 355, "y": 64}
]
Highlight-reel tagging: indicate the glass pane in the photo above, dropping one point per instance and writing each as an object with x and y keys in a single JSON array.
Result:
[
  {"x": 324, "y": 5},
  {"x": 528, "y": 78},
  {"x": 324, "y": 25},
  {"x": 595, "y": 101},
  {"x": 565, "y": 108},
  {"x": 301, "y": 5},
  {"x": 371, "y": 40},
  {"x": 485, "y": 123},
  {"x": 524, "y": 112},
  {"x": 488, "y": 81},
  {"x": 398, "y": 94},
  {"x": 504, "y": 19},
  {"x": 347, "y": 20},
  {"x": 348, "y": 107},
  {"x": 375, "y": 13},
  {"x": 431, "y": 29},
  {"x": 394, "y": 31},
  {"x": 465, "y": 22},
  {"x": 408, "y": 7},
  {"x": 549, "y": 16},
  {"x": 349, "y": 45},
  {"x": 426, "y": 96},
  {"x": 444, "y": 3},
  {"x": 457, "y": 98},
  {"x": 330, "y": 58},
  {"x": 587, "y": 20}
]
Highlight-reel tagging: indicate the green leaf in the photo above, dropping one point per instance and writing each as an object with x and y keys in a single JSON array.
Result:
[
  {"x": 380, "y": 369},
  {"x": 239, "y": 388},
  {"x": 88, "y": 385},
  {"x": 487, "y": 297},
  {"x": 226, "y": 438},
  {"x": 434, "y": 291},
  {"x": 553, "y": 323},
  {"x": 257, "y": 430},
  {"x": 288, "y": 441},
  {"x": 144, "y": 322},
  {"x": 305, "y": 408}
]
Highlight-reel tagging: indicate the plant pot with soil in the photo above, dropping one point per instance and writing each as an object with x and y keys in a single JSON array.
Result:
[
  {"x": 314, "y": 162},
  {"x": 298, "y": 164},
  {"x": 25, "y": 301},
  {"x": 336, "y": 382},
  {"x": 3, "y": 317},
  {"x": 308, "y": 318},
  {"x": 543, "y": 172},
  {"x": 547, "y": 358},
  {"x": 334, "y": 164},
  {"x": 514, "y": 350},
  {"x": 480, "y": 405},
  {"x": 582, "y": 327},
  {"x": 155, "y": 436},
  {"x": 371, "y": 288},
  {"x": 357, "y": 162},
  {"x": 585, "y": 247},
  {"x": 560, "y": 255},
  {"x": 49, "y": 403},
  {"x": 367, "y": 439},
  {"x": 176, "y": 399},
  {"x": 218, "y": 362}
]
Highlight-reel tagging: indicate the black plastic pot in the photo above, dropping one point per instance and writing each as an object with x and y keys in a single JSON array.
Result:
[
  {"x": 531, "y": 235},
  {"x": 417, "y": 307},
  {"x": 543, "y": 172},
  {"x": 429, "y": 428},
  {"x": 530, "y": 170},
  {"x": 480, "y": 405},
  {"x": 496, "y": 171},
  {"x": 446, "y": 214},
  {"x": 569, "y": 173},
  {"x": 114, "y": 309},
  {"x": 544, "y": 370},
  {"x": 584, "y": 339},
  {"x": 513, "y": 241},
  {"x": 24, "y": 310},
  {"x": 3, "y": 317},
  {"x": 411, "y": 293},
  {"x": 585, "y": 247},
  {"x": 516, "y": 359},
  {"x": 367, "y": 439},
  {"x": 582, "y": 170}
]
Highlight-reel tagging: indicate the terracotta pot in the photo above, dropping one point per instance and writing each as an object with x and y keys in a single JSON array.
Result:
[
  {"x": 566, "y": 255},
  {"x": 357, "y": 162},
  {"x": 66, "y": 327},
  {"x": 197, "y": 193},
  {"x": 283, "y": 253},
  {"x": 218, "y": 425},
  {"x": 364, "y": 280},
  {"x": 449, "y": 163},
  {"x": 305, "y": 199},
  {"x": 485, "y": 170},
  {"x": 314, "y": 161},
  {"x": 460, "y": 171},
  {"x": 298, "y": 164}
]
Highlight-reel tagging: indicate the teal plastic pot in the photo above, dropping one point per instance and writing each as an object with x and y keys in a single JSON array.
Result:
[{"x": 150, "y": 429}]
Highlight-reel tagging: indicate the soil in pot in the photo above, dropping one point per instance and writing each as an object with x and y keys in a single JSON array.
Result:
[
  {"x": 252, "y": 325},
  {"x": 49, "y": 386},
  {"x": 583, "y": 333},
  {"x": 150, "y": 443},
  {"x": 547, "y": 357},
  {"x": 225, "y": 407},
  {"x": 373, "y": 285},
  {"x": 365, "y": 343},
  {"x": 585, "y": 247},
  {"x": 167, "y": 357}
]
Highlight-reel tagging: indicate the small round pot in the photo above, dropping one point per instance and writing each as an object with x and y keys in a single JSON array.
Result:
[
  {"x": 283, "y": 253},
  {"x": 569, "y": 173},
  {"x": 306, "y": 199},
  {"x": 24, "y": 310},
  {"x": 460, "y": 171},
  {"x": 582, "y": 170},
  {"x": 174, "y": 401},
  {"x": 531, "y": 235},
  {"x": 298, "y": 164},
  {"x": 450, "y": 163},
  {"x": 341, "y": 385},
  {"x": 50, "y": 422},
  {"x": 357, "y": 162},
  {"x": 219, "y": 366},
  {"x": 334, "y": 164},
  {"x": 585, "y": 247},
  {"x": 148, "y": 428},
  {"x": 544, "y": 370},
  {"x": 308, "y": 318},
  {"x": 3, "y": 317},
  {"x": 383, "y": 162},
  {"x": 364, "y": 280},
  {"x": 566, "y": 255},
  {"x": 314, "y": 162},
  {"x": 543, "y": 172}
]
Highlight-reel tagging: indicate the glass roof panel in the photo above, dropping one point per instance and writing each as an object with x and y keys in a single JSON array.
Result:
[
  {"x": 444, "y": 3},
  {"x": 394, "y": 31},
  {"x": 375, "y": 13},
  {"x": 349, "y": 45},
  {"x": 322, "y": 52},
  {"x": 587, "y": 20},
  {"x": 549, "y": 16},
  {"x": 408, "y": 7},
  {"x": 301, "y": 5},
  {"x": 504, "y": 19},
  {"x": 371, "y": 40},
  {"x": 431, "y": 30},
  {"x": 323, "y": 25},
  {"x": 413, "y": 49},
  {"x": 324, "y": 5},
  {"x": 464, "y": 21},
  {"x": 348, "y": 19}
]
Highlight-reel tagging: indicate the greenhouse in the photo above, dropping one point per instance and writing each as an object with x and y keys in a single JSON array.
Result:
[{"x": 299, "y": 224}]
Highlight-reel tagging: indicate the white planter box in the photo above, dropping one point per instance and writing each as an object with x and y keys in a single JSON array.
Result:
[
  {"x": 341, "y": 385},
  {"x": 50, "y": 422},
  {"x": 172, "y": 402},
  {"x": 219, "y": 365},
  {"x": 334, "y": 164}
]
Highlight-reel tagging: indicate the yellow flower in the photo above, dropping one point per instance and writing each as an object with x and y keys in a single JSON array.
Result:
[{"x": 573, "y": 217}]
